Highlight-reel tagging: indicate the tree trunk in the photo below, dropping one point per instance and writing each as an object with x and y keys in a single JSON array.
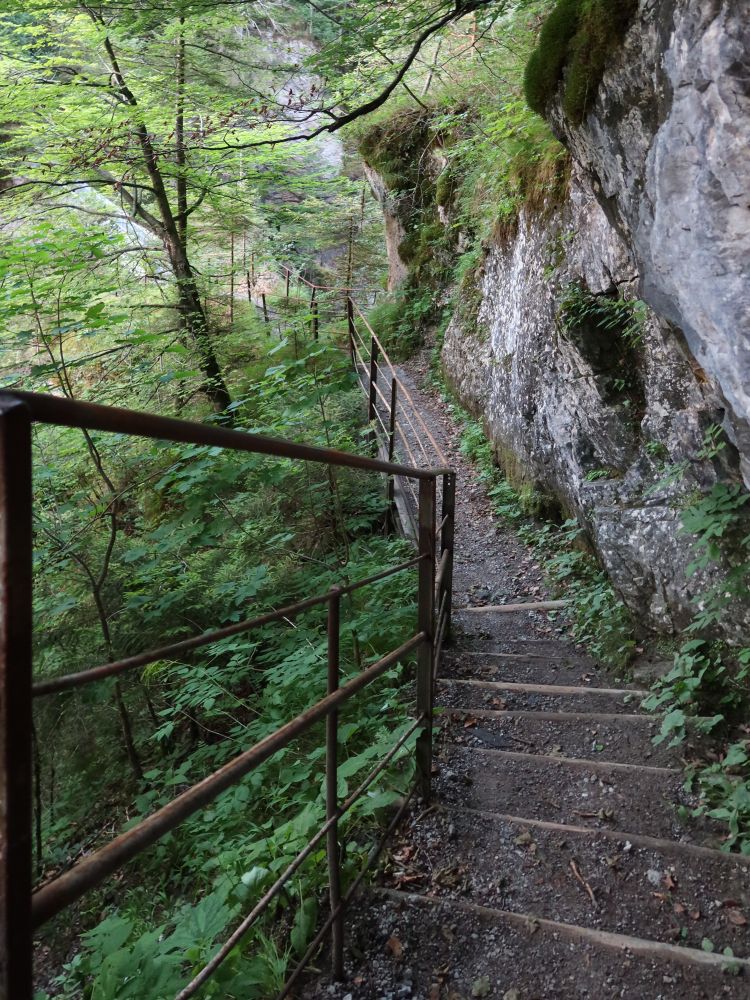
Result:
[
  {"x": 171, "y": 231},
  {"x": 196, "y": 324},
  {"x": 127, "y": 733}
]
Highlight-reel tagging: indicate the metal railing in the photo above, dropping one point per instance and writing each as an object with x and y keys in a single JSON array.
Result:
[
  {"x": 374, "y": 369},
  {"x": 21, "y": 911}
]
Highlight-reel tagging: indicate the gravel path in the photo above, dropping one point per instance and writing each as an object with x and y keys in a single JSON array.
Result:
[{"x": 556, "y": 860}]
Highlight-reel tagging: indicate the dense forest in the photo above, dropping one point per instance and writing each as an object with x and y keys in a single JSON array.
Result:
[{"x": 173, "y": 174}]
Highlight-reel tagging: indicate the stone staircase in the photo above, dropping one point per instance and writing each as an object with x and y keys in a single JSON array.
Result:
[
  {"x": 553, "y": 862},
  {"x": 557, "y": 859}
]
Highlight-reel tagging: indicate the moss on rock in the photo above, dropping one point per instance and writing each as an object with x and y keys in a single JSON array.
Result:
[{"x": 574, "y": 45}]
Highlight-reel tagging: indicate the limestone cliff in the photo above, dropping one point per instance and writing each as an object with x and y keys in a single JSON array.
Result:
[{"x": 658, "y": 210}]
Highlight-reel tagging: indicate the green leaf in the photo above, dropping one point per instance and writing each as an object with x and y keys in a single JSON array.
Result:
[{"x": 303, "y": 927}]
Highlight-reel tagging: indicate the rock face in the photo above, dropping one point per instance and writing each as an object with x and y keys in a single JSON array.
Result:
[
  {"x": 394, "y": 229},
  {"x": 659, "y": 209},
  {"x": 666, "y": 148}
]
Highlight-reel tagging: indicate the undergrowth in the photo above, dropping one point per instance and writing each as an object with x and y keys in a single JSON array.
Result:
[
  {"x": 204, "y": 539},
  {"x": 459, "y": 170},
  {"x": 707, "y": 688}
]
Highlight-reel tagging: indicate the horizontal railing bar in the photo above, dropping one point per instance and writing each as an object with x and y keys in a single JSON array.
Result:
[
  {"x": 92, "y": 870},
  {"x": 360, "y": 363},
  {"x": 438, "y": 650},
  {"x": 208, "y": 970},
  {"x": 417, "y": 438},
  {"x": 379, "y": 391},
  {"x": 441, "y": 568},
  {"x": 404, "y": 410},
  {"x": 372, "y": 857},
  {"x": 362, "y": 341},
  {"x": 402, "y": 387},
  {"x": 327, "y": 288},
  {"x": 405, "y": 442},
  {"x": 46, "y": 408},
  {"x": 381, "y": 422},
  {"x": 64, "y": 683}
]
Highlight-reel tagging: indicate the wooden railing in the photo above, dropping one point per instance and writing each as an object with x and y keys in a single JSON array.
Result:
[{"x": 23, "y": 911}]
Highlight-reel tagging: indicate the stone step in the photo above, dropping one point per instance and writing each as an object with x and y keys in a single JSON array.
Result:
[
  {"x": 473, "y": 639},
  {"x": 659, "y": 890},
  {"x": 621, "y": 738},
  {"x": 644, "y": 800},
  {"x": 424, "y": 947},
  {"x": 525, "y": 668},
  {"x": 512, "y": 696}
]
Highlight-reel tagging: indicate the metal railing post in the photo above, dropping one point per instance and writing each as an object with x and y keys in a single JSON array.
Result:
[
  {"x": 15, "y": 701},
  {"x": 314, "y": 309},
  {"x": 372, "y": 398},
  {"x": 391, "y": 494},
  {"x": 350, "y": 327},
  {"x": 392, "y": 420},
  {"x": 332, "y": 837},
  {"x": 446, "y": 545},
  {"x": 425, "y": 623}
]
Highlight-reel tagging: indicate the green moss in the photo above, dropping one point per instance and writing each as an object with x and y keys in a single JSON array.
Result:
[
  {"x": 574, "y": 45},
  {"x": 395, "y": 148},
  {"x": 545, "y": 65}
]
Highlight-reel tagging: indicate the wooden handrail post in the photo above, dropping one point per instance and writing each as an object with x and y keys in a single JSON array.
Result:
[
  {"x": 446, "y": 545},
  {"x": 265, "y": 307},
  {"x": 332, "y": 836},
  {"x": 287, "y": 283},
  {"x": 15, "y": 701},
  {"x": 425, "y": 623}
]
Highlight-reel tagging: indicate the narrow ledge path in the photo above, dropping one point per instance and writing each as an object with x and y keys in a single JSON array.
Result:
[{"x": 554, "y": 862}]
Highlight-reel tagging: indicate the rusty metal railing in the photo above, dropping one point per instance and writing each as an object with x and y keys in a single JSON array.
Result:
[
  {"x": 373, "y": 366},
  {"x": 21, "y": 912}
]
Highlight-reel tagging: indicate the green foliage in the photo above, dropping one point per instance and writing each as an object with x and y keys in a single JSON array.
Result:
[
  {"x": 707, "y": 688},
  {"x": 575, "y": 43},
  {"x": 657, "y": 450},
  {"x": 399, "y": 322},
  {"x": 600, "y": 619},
  {"x": 546, "y": 62},
  {"x": 606, "y": 314},
  {"x": 608, "y": 332},
  {"x": 201, "y": 538},
  {"x": 459, "y": 168},
  {"x": 724, "y": 788}
]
